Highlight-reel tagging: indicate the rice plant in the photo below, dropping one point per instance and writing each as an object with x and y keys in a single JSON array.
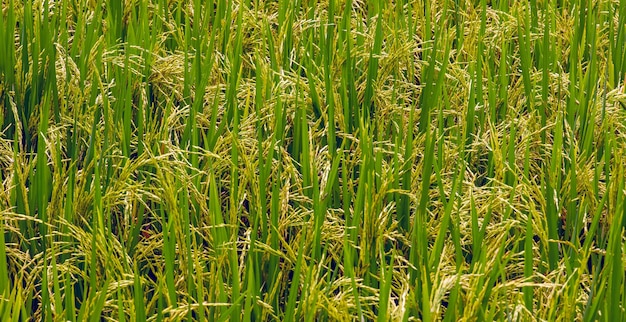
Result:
[{"x": 351, "y": 160}]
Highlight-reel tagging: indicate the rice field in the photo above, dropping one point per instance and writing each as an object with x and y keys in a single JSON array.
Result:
[{"x": 302, "y": 160}]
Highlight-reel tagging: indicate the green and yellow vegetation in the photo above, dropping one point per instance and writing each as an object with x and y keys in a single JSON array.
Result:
[{"x": 239, "y": 160}]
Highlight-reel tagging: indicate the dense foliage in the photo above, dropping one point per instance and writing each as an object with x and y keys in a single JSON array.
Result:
[{"x": 455, "y": 160}]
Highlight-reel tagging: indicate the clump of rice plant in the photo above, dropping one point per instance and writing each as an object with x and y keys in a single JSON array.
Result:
[{"x": 239, "y": 160}]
